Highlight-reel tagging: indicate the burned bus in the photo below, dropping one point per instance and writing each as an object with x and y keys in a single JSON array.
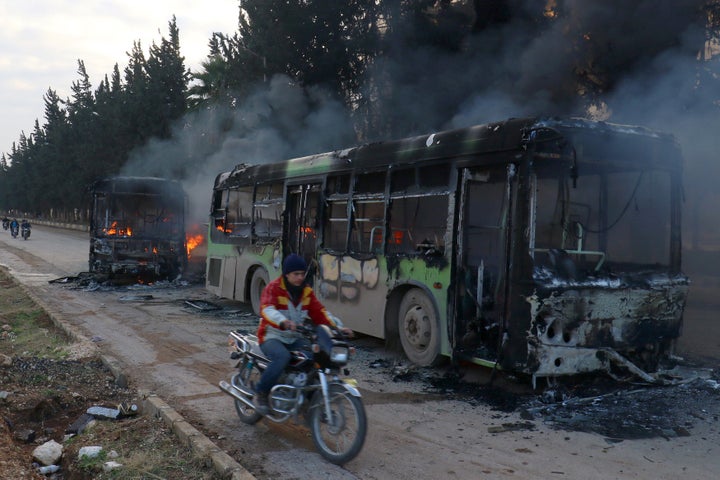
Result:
[
  {"x": 540, "y": 245},
  {"x": 137, "y": 227}
]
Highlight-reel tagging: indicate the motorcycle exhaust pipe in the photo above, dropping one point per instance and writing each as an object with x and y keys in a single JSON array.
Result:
[{"x": 237, "y": 393}]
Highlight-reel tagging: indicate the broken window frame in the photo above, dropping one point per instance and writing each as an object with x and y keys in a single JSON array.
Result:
[
  {"x": 589, "y": 232},
  {"x": 268, "y": 209}
]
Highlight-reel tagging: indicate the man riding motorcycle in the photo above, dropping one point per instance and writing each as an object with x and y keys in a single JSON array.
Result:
[
  {"x": 285, "y": 303},
  {"x": 14, "y": 227},
  {"x": 25, "y": 228}
]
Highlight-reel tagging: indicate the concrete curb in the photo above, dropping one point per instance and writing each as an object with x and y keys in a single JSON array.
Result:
[
  {"x": 222, "y": 463},
  {"x": 199, "y": 444}
]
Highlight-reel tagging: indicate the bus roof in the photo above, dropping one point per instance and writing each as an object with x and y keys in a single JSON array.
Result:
[
  {"x": 490, "y": 140},
  {"x": 135, "y": 185}
]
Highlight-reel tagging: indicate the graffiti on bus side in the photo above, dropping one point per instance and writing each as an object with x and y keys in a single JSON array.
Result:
[{"x": 342, "y": 277}]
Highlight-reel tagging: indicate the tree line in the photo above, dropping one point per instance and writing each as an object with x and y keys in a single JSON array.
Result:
[{"x": 398, "y": 67}]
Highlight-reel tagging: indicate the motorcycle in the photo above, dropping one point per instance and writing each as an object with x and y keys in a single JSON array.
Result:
[
  {"x": 6, "y": 223},
  {"x": 311, "y": 385},
  {"x": 14, "y": 230},
  {"x": 25, "y": 232}
]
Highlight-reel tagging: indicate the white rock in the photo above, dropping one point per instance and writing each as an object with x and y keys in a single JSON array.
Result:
[
  {"x": 48, "y": 453},
  {"x": 90, "y": 452},
  {"x": 111, "y": 465}
]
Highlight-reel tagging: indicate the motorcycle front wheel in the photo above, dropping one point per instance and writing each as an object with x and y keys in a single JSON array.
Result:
[
  {"x": 246, "y": 377},
  {"x": 340, "y": 438}
]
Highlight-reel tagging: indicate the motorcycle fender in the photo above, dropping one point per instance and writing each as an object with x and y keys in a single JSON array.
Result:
[{"x": 350, "y": 388}]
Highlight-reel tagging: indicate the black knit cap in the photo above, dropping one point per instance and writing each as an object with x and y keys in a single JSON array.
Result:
[{"x": 293, "y": 263}]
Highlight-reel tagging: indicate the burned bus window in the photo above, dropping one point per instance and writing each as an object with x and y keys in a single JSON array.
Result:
[
  {"x": 434, "y": 176},
  {"x": 368, "y": 213},
  {"x": 336, "y": 225},
  {"x": 218, "y": 215},
  {"x": 338, "y": 184},
  {"x": 336, "y": 222},
  {"x": 367, "y": 229},
  {"x": 609, "y": 218},
  {"x": 239, "y": 211},
  {"x": 638, "y": 218},
  {"x": 417, "y": 224},
  {"x": 484, "y": 223},
  {"x": 370, "y": 183},
  {"x": 402, "y": 180},
  {"x": 268, "y": 212}
]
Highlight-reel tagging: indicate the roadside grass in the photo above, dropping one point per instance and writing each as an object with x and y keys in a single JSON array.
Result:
[{"x": 144, "y": 446}]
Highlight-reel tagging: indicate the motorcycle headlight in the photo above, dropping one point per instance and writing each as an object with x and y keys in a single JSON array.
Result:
[{"x": 339, "y": 354}]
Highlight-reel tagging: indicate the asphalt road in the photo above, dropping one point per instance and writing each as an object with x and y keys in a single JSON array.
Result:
[{"x": 179, "y": 353}]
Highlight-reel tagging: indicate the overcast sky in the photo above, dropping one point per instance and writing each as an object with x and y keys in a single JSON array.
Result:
[{"x": 42, "y": 40}]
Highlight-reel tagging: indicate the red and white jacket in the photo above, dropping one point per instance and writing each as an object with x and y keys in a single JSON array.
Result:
[{"x": 276, "y": 306}]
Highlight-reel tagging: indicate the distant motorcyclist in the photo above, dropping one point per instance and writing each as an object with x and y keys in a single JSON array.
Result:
[
  {"x": 14, "y": 227},
  {"x": 6, "y": 222},
  {"x": 25, "y": 228}
]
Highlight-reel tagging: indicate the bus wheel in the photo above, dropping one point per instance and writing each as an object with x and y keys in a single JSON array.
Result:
[
  {"x": 418, "y": 328},
  {"x": 257, "y": 285}
]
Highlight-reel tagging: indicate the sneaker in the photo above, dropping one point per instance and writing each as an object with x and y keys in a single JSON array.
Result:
[{"x": 260, "y": 403}]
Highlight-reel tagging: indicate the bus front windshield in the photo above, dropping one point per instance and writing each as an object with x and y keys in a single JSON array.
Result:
[{"x": 604, "y": 219}]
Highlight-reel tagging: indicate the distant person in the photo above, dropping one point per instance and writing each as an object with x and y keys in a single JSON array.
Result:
[
  {"x": 25, "y": 229},
  {"x": 14, "y": 227}
]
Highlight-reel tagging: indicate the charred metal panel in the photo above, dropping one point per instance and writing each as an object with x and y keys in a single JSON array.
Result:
[{"x": 575, "y": 328}]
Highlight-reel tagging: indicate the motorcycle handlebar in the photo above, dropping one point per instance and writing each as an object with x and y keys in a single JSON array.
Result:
[{"x": 308, "y": 330}]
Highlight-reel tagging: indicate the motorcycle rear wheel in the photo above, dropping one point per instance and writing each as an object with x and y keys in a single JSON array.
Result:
[
  {"x": 248, "y": 378},
  {"x": 341, "y": 439}
]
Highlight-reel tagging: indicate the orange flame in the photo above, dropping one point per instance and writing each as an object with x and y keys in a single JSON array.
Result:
[
  {"x": 115, "y": 230},
  {"x": 551, "y": 9},
  {"x": 193, "y": 241}
]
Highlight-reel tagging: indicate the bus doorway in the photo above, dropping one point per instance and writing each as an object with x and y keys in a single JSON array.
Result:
[
  {"x": 481, "y": 262},
  {"x": 303, "y": 210}
]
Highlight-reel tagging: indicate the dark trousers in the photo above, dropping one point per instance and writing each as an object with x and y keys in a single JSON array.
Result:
[{"x": 279, "y": 355}]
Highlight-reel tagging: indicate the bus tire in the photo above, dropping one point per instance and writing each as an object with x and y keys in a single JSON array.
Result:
[
  {"x": 257, "y": 284},
  {"x": 419, "y": 329}
]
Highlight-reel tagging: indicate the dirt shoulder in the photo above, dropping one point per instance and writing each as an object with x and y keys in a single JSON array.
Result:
[{"x": 48, "y": 383}]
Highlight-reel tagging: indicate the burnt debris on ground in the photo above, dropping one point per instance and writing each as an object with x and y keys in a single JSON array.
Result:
[
  {"x": 633, "y": 412},
  {"x": 90, "y": 282},
  {"x": 592, "y": 404}
]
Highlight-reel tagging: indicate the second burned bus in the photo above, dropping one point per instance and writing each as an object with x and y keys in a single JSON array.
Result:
[
  {"x": 137, "y": 227},
  {"x": 539, "y": 245}
]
